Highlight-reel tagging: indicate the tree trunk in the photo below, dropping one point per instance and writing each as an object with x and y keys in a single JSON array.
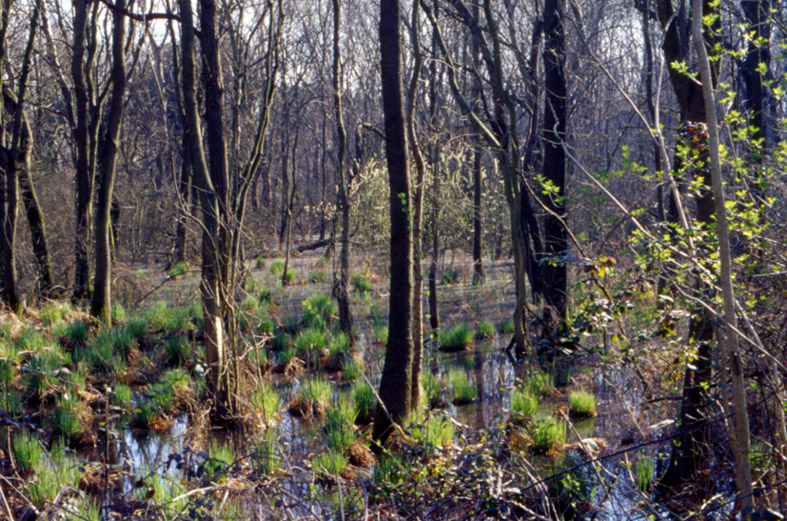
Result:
[
  {"x": 729, "y": 346},
  {"x": 101, "y": 305},
  {"x": 397, "y": 371},
  {"x": 555, "y": 273},
  {"x": 83, "y": 173},
  {"x": 418, "y": 198},
  {"x": 211, "y": 289},
  {"x": 691, "y": 449},
  {"x": 342, "y": 293}
]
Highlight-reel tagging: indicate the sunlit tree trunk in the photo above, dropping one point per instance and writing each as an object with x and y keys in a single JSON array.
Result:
[
  {"x": 100, "y": 305},
  {"x": 395, "y": 382}
]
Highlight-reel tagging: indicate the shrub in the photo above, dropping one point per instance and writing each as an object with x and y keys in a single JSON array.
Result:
[
  {"x": 523, "y": 405},
  {"x": 463, "y": 389},
  {"x": 547, "y": 434},
  {"x": 365, "y": 403},
  {"x": 506, "y": 326},
  {"x": 485, "y": 329},
  {"x": 179, "y": 269},
  {"x": 317, "y": 277},
  {"x": 260, "y": 262},
  {"x": 266, "y": 402},
  {"x": 581, "y": 404},
  {"x": 291, "y": 274},
  {"x": 457, "y": 339},
  {"x": 27, "y": 451}
]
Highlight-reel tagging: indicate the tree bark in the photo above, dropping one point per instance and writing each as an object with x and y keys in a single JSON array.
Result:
[
  {"x": 83, "y": 173},
  {"x": 555, "y": 272},
  {"x": 418, "y": 197},
  {"x": 729, "y": 345},
  {"x": 397, "y": 371},
  {"x": 342, "y": 293},
  {"x": 101, "y": 303}
]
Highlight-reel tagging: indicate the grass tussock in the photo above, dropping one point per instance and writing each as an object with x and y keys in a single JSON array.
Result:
[{"x": 459, "y": 338}]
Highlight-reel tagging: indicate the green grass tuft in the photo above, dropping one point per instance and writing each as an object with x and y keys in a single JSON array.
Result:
[
  {"x": 548, "y": 433},
  {"x": 277, "y": 267},
  {"x": 179, "y": 269},
  {"x": 457, "y": 339},
  {"x": 330, "y": 462},
  {"x": 485, "y": 329},
  {"x": 365, "y": 403},
  {"x": 539, "y": 384},
  {"x": 318, "y": 310},
  {"x": 53, "y": 312},
  {"x": 506, "y": 326},
  {"x": 436, "y": 431},
  {"x": 644, "y": 470},
  {"x": 462, "y": 388},
  {"x": 523, "y": 405},
  {"x": 317, "y": 277},
  {"x": 266, "y": 401},
  {"x": 177, "y": 349},
  {"x": 433, "y": 389},
  {"x": 27, "y": 451},
  {"x": 65, "y": 419},
  {"x": 582, "y": 404}
]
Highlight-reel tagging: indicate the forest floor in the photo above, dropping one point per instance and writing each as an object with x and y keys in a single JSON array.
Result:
[{"x": 101, "y": 423}]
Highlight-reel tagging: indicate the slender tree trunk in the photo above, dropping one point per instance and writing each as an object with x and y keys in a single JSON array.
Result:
[
  {"x": 434, "y": 313},
  {"x": 478, "y": 268},
  {"x": 342, "y": 292},
  {"x": 555, "y": 274},
  {"x": 729, "y": 345},
  {"x": 691, "y": 449},
  {"x": 101, "y": 304},
  {"x": 418, "y": 198},
  {"x": 395, "y": 383},
  {"x": 83, "y": 172}
]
